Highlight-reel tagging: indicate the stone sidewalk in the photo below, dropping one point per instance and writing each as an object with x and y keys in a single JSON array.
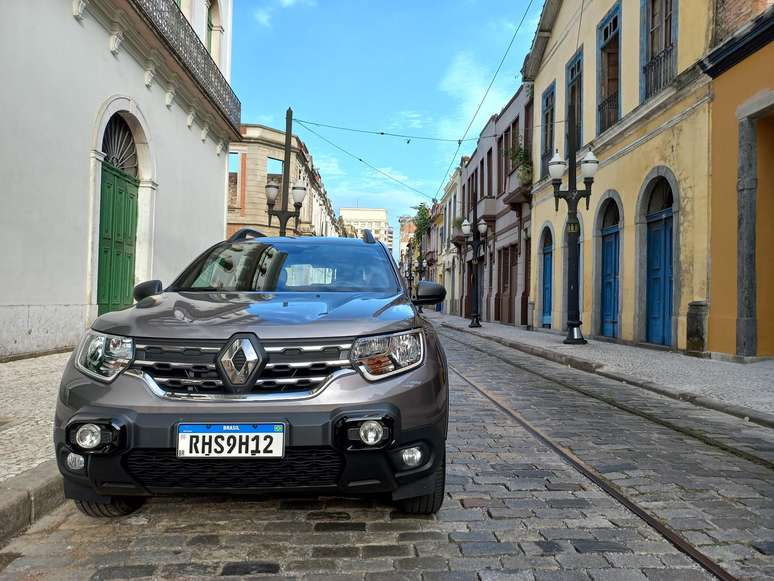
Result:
[
  {"x": 29, "y": 391},
  {"x": 745, "y": 390}
]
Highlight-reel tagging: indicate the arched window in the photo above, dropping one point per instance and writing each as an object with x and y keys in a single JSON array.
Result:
[
  {"x": 547, "y": 239},
  {"x": 660, "y": 196},
  {"x": 610, "y": 217},
  {"x": 119, "y": 147}
]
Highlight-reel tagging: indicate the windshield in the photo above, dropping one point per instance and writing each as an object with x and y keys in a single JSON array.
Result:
[{"x": 290, "y": 267}]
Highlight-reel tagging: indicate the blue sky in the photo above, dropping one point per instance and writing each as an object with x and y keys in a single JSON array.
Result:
[{"x": 405, "y": 66}]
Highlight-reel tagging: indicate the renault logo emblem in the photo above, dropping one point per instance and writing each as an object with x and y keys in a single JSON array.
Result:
[{"x": 238, "y": 360}]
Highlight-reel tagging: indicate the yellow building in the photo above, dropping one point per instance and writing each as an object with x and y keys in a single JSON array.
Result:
[
  {"x": 741, "y": 308},
  {"x": 629, "y": 67}
]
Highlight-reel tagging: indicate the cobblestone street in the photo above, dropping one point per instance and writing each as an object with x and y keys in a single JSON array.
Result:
[{"x": 514, "y": 508}]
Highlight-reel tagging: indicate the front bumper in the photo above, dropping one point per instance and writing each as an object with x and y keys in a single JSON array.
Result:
[{"x": 318, "y": 458}]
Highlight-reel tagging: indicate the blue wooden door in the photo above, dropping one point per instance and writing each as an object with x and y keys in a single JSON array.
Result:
[
  {"x": 610, "y": 270},
  {"x": 659, "y": 280},
  {"x": 548, "y": 271}
]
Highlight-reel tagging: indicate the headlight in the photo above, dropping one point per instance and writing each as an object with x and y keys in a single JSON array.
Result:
[
  {"x": 104, "y": 356},
  {"x": 386, "y": 355}
]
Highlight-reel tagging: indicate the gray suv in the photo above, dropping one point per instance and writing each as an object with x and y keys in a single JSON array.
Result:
[{"x": 270, "y": 365}]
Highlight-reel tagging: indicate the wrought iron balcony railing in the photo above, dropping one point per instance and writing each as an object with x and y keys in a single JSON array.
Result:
[
  {"x": 172, "y": 25},
  {"x": 608, "y": 111},
  {"x": 659, "y": 72}
]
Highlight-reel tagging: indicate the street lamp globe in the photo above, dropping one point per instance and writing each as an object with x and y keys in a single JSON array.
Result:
[
  {"x": 299, "y": 193},
  {"x": 557, "y": 166},
  {"x": 589, "y": 165},
  {"x": 272, "y": 190},
  {"x": 465, "y": 227},
  {"x": 482, "y": 227}
]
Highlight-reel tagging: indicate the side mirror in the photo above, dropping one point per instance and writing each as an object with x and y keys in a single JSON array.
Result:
[
  {"x": 147, "y": 289},
  {"x": 429, "y": 293}
]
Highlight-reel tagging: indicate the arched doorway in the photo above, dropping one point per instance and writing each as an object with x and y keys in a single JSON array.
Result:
[
  {"x": 659, "y": 275},
  {"x": 548, "y": 275},
  {"x": 118, "y": 216},
  {"x": 610, "y": 269}
]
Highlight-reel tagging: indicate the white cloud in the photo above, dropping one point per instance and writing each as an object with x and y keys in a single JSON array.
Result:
[
  {"x": 404, "y": 120},
  {"x": 263, "y": 16},
  {"x": 329, "y": 166},
  {"x": 465, "y": 81}
]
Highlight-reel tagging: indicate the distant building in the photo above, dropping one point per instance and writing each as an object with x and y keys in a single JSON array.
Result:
[
  {"x": 257, "y": 159},
  {"x": 374, "y": 219},
  {"x": 407, "y": 229}
]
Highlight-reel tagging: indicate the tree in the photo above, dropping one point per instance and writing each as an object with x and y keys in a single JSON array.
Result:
[{"x": 422, "y": 221}]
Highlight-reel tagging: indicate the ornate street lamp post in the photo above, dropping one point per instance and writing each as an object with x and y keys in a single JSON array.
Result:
[
  {"x": 272, "y": 188},
  {"x": 409, "y": 268},
  {"x": 556, "y": 169},
  {"x": 421, "y": 269},
  {"x": 475, "y": 239}
]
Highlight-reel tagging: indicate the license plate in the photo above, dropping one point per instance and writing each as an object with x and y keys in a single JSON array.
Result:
[{"x": 231, "y": 440}]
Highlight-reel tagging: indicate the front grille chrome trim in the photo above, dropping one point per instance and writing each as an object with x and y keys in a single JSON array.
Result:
[
  {"x": 184, "y": 382},
  {"x": 306, "y": 348},
  {"x": 156, "y": 390},
  {"x": 172, "y": 364},
  {"x": 179, "y": 348},
  {"x": 307, "y": 364}
]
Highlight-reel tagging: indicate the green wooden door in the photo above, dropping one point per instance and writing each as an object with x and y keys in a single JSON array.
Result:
[{"x": 117, "y": 239}]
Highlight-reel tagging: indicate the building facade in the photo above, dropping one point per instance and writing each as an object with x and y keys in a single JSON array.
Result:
[
  {"x": 407, "y": 229},
  {"x": 742, "y": 207},
  {"x": 374, "y": 219},
  {"x": 495, "y": 188},
  {"x": 125, "y": 114},
  {"x": 258, "y": 159},
  {"x": 630, "y": 72},
  {"x": 449, "y": 258}
]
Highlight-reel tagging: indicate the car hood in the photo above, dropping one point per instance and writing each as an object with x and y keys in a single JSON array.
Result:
[{"x": 281, "y": 315}]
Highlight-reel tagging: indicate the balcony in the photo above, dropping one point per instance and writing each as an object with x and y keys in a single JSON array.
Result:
[
  {"x": 173, "y": 27},
  {"x": 659, "y": 72},
  {"x": 608, "y": 112}
]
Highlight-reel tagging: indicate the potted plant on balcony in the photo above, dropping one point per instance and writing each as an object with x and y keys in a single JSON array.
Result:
[{"x": 522, "y": 163}]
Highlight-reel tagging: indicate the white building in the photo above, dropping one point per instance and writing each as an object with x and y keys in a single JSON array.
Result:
[
  {"x": 374, "y": 219},
  {"x": 117, "y": 115}
]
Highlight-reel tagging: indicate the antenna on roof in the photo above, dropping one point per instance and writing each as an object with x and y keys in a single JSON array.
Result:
[{"x": 368, "y": 237}]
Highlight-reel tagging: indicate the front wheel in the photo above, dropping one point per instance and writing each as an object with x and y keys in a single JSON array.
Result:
[
  {"x": 428, "y": 503},
  {"x": 118, "y": 506}
]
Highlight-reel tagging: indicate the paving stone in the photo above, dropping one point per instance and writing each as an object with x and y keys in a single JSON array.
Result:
[
  {"x": 249, "y": 568},
  {"x": 123, "y": 572},
  {"x": 589, "y": 546}
]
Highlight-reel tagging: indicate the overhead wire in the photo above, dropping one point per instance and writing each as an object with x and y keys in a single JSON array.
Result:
[
  {"x": 486, "y": 93},
  {"x": 383, "y": 133},
  {"x": 363, "y": 161}
]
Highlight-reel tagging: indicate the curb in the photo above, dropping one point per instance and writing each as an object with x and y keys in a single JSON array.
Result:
[
  {"x": 27, "y": 497},
  {"x": 761, "y": 418}
]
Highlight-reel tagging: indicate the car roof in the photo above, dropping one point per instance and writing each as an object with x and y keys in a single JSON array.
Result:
[{"x": 327, "y": 241}]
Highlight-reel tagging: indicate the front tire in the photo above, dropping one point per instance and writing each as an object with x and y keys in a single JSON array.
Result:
[
  {"x": 428, "y": 503},
  {"x": 118, "y": 506}
]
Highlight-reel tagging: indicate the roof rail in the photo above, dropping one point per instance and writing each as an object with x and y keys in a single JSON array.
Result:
[
  {"x": 368, "y": 237},
  {"x": 244, "y": 233}
]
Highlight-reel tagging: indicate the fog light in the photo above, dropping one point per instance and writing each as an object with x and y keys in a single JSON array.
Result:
[
  {"x": 88, "y": 436},
  {"x": 371, "y": 432},
  {"x": 75, "y": 461},
  {"x": 411, "y": 457}
]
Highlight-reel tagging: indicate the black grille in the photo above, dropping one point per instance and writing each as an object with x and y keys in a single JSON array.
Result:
[
  {"x": 301, "y": 467},
  {"x": 291, "y": 365}
]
